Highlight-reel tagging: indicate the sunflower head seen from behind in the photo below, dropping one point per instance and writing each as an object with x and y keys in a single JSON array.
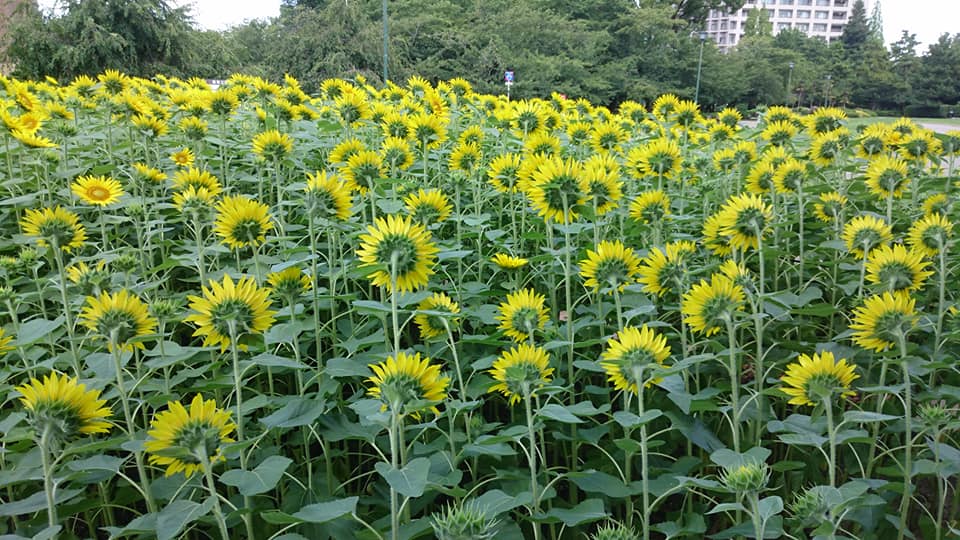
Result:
[
  {"x": 436, "y": 325},
  {"x": 399, "y": 252},
  {"x": 812, "y": 379},
  {"x": 708, "y": 306},
  {"x": 227, "y": 307},
  {"x": 59, "y": 407},
  {"x": 189, "y": 440},
  {"x": 521, "y": 371},
  {"x": 632, "y": 355},
  {"x": 882, "y": 322},
  {"x": 55, "y": 227},
  {"x": 611, "y": 267},
  {"x": 119, "y": 318},
  {"x": 523, "y": 314},
  {"x": 407, "y": 384},
  {"x": 242, "y": 221}
]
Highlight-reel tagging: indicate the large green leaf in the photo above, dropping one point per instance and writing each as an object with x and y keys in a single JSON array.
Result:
[{"x": 261, "y": 479}]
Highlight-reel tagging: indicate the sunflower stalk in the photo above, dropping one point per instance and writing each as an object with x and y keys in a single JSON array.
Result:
[
  {"x": 908, "y": 436},
  {"x": 941, "y": 304},
  {"x": 238, "y": 391},
  {"x": 532, "y": 459},
  {"x": 67, "y": 312},
  {"x": 396, "y": 424},
  {"x": 832, "y": 436},
  {"x": 48, "y": 481},
  {"x": 734, "y": 381},
  {"x": 638, "y": 379},
  {"x": 212, "y": 489}
]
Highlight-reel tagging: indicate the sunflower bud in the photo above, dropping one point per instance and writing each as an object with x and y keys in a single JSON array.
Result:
[
  {"x": 466, "y": 521},
  {"x": 746, "y": 478},
  {"x": 615, "y": 531}
]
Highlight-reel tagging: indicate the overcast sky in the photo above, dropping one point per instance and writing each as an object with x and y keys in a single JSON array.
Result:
[{"x": 925, "y": 18}]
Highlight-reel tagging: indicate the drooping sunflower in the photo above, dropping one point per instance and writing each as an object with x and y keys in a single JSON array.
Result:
[
  {"x": 328, "y": 196},
  {"x": 930, "y": 234},
  {"x": 631, "y": 355},
  {"x": 883, "y": 320},
  {"x": 363, "y": 169},
  {"x": 713, "y": 239},
  {"x": 811, "y": 379},
  {"x": 745, "y": 218},
  {"x": 63, "y": 407},
  {"x": 405, "y": 381},
  {"x": 242, "y": 305},
  {"x": 829, "y": 207},
  {"x": 660, "y": 157},
  {"x": 428, "y": 207},
  {"x": 887, "y": 175},
  {"x": 863, "y": 234},
  {"x": 432, "y": 325},
  {"x": 194, "y": 201},
  {"x": 503, "y": 172},
  {"x": 398, "y": 244},
  {"x": 554, "y": 191},
  {"x": 522, "y": 314},
  {"x": 118, "y": 318},
  {"x": 189, "y": 441},
  {"x": 663, "y": 269},
  {"x": 938, "y": 203},
  {"x": 779, "y": 133},
  {"x": 895, "y": 268},
  {"x": 708, "y": 305},
  {"x": 508, "y": 262},
  {"x": 395, "y": 153},
  {"x": 427, "y": 130},
  {"x": 32, "y": 139},
  {"x": 760, "y": 178},
  {"x": 465, "y": 157},
  {"x": 650, "y": 206},
  {"x": 56, "y": 227},
  {"x": 289, "y": 283},
  {"x": 825, "y": 148},
  {"x": 145, "y": 174},
  {"x": 344, "y": 150},
  {"x": 97, "y": 190},
  {"x": 611, "y": 267},
  {"x": 200, "y": 179},
  {"x": 242, "y": 221},
  {"x": 789, "y": 176},
  {"x": 602, "y": 188},
  {"x": 272, "y": 145},
  {"x": 183, "y": 157},
  {"x": 520, "y": 372}
]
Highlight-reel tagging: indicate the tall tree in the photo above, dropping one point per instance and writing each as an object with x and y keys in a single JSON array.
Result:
[
  {"x": 693, "y": 11},
  {"x": 857, "y": 30},
  {"x": 876, "y": 22},
  {"x": 757, "y": 24}
]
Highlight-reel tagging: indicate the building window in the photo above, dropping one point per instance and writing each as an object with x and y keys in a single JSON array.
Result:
[
  {"x": 803, "y": 13},
  {"x": 786, "y": 13},
  {"x": 745, "y": 12},
  {"x": 823, "y": 2},
  {"x": 838, "y": 28},
  {"x": 819, "y": 27},
  {"x": 723, "y": 25},
  {"x": 803, "y": 27},
  {"x": 770, "y": 13},
  {"x": 821, "y": 15},
  {"x": 786, "y": 2},
  {"x": 804, "y": 2},
  {"x": 839, "y": 15},
  {"x": 783, "y": 26},
  {"x": 713, "y": 25},
  {"x": 733, "y": 25},
  {"x": 840, "y": 3}
]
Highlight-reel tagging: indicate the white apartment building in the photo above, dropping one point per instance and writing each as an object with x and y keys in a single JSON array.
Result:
[{"x": 823, "y": 19}]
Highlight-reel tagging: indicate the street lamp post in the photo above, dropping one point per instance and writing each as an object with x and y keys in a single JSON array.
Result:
[
  {"x": 790, "y": 84},
  {"x": 696, "y": 92},
  {"x": 826, "y": 103}
]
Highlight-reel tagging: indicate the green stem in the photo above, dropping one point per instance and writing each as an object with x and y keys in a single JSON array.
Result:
[
  {"x": 212, "y": 488},
  {"x": 67, "y": 313},
  {"x": 644, "y": 456},
  {"x": 395, "y": 426},
  {"x": 908, "y": 444},
  {"x": 48, "y": 486},
  {"x": 238, "y": 390},
  {"x": 832, "y": 435},
  {"x": 734, "y": 381},
  {"x": 532, "y": 460},
  {"x": 875, "y": 431}
]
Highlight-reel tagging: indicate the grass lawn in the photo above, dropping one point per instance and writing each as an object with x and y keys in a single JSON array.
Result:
[{"x": 854, "y": 123}]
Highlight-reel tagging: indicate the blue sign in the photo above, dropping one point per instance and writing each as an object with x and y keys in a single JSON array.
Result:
[{"x": 508, "y": 77}]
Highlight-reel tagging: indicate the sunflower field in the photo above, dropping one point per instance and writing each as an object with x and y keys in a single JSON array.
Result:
[{"x": 422, "y": 312}]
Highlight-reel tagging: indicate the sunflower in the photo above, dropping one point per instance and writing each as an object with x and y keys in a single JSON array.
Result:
[
  {"x": 883, "y": 320},
  {"x": 399, "y": 245},
  {"x": 660, "y": 157},
  {"x": 873, "y": 140},
  {"x": 183, "y": 157},
  {"x": 191, "y": 177},
  {"x": 328, "y": 196},
  {"x": 920, "y": 146},
  {"x": 150, "y": 124},
  {"x": 724, "y": 160},
  {"x": 395, "y": 153},
  {"x": 737, "y": 272},
  {"x": 930, "y": 234},
  {"x": 602, "y": 188},
  {"x": 194, "y": 201},
  {"x": 632, "y": 352},
  {"x": 555, "y": 191},
  {"x": 465, "y": 157},
  {"x": 272, "y": 145},
  {"x": 344, "y": 150},
  {"x": 404, "y": 382},
  {"x": 825, "y": 120},
  {"x": 32, "y": 139},
  {"x": 242, "y": 222},
  {"x": 709, "y": 305},
  {"x": 713, "y": 239},
  {"x": 650, "y": 206},
  {"x": 526, "y": 117},
  {"x": 811, "y": 379},
  {"x": 664, "y": 105},
  {"x": 863, "y": 234},
  {"x": 189, "y": 441},
  {"x": 938, "y": 203},
  {"x": 760, "y": 178},
  {"x": 363, "y": 170},
  {"x": 663, "y": 268},
  {"x": 895, "y": 268},
  {"x": 520, "y": 372},
  {"x": 119, "y": 318},
  {"x": 61, "y": 407},
  {"x": 5, "y": 340},
  {"x": 789, "y": 176},
  {"x": 427, "y": 207},
  {"x": 89, "y": 280},
  {"x": 146, "y": 174},
  {"x": 289, "y": 283},
  {"x": 194, "y": 128},
  {"x": 541, "y": 143},
  {"x": 54, "y": 227},
  {"x": 578, "y": 133},
  {"x": 503, "y": 172},
  {"x": 611, "y": 267},
  {"x": 719, "y": 132},
  {"x": 779, "y": 132},
  {"x": 745, "y": 218},
  {"x": 97, "y": 190},
  {"x": 432, "y": 325},
  {"x": 241, "y": 305},
  {"x": 686, "y": 113},
  {"x": 428, "y": 130},
  {"x": 508, "y": 262},
  {"x": 887, "y": 176},
  {"x": 829, "y": 206},
  {"x": 522, "y": 314},
  {"x": 352, "y": 108},
  {"x": 607, "y": 137}
]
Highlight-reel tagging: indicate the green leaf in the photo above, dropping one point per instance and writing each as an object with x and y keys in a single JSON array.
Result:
[
  {"x": 261, "y": 479},
  {"x": 327, "y": 511},
  {"x": 299, "y": 411},
  {"x": 600, "y": 482},
  {"x": 177, "y": 514},
  {"x": 410, "y": 481},
  {"x": 770, "y": 507},
  {"x": 864, "y": 417},
  {"x": 727, "y": 507},
  {"x": 34, "y": 330},
  {"x": 559, "y": 413},
  {"x": 630, "y": 420},
  {"x": 588, "y": 511},
  {"x": 36, "y": 502}
]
